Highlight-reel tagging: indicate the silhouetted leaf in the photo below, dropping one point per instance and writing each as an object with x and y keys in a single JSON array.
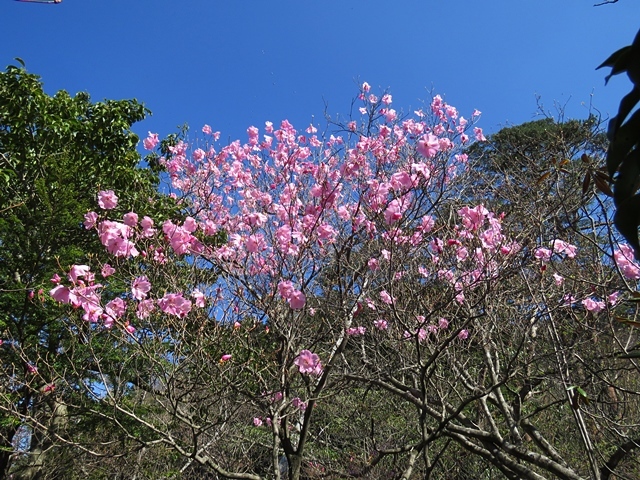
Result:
[{"x": 585, "y": 183}]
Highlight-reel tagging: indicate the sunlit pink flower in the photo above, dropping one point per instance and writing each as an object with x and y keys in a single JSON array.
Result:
[
  {"x": 116, "y": 308},
  {"x": 90, "y": 219},
  {"x": 543, "y": 254},
  {"x": 308, "y": 362},
  {"x": 297, "y": 300},
  {"x": 613, "y": 298},
  {"x": 356, "y": 331},
  {"x": 107, "y": 199},
  {"x": 151, "y": 141},
  {"x": 593, "y": 305},
  {"x": 147, "y": 227},
  {"x": 199, "y": 298},
  {"x": 257, "y": 422},
  {"x": 624, "y": 258},
  {"x": 380, "y": 324},
  {"x": 464, "y": 334},
  {"x": 107, "y": 270},
  {"x": 385, "y": 297},
  {"x": 225, "y": 358},
  {"x": 558, "y": 279},
  {"x": 130, "y": 219},
  {"x": 560, "y": 246},
  {"x": 175, "y": 304},
  {"x": 78, "y": 271},
  {"x": 428, "y": 145},
  {"x": 140, "y": 287},
  {"x": 145, "y": 308}
]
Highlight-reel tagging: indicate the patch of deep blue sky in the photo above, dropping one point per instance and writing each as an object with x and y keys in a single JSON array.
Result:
[{"x": 233, "y": 64}]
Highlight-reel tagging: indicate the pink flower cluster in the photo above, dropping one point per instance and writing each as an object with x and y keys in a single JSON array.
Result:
[
  {"x": 85, "y": 293},
  {"x": 295, "y": 298},
  {"x": 308, "y": 362},
  {"x": 625, "y": 260}
]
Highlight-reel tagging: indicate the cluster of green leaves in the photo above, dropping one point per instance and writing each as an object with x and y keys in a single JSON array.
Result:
[
  {"x": 56, "y": 152},
  {"x": 623, "y": 155}
]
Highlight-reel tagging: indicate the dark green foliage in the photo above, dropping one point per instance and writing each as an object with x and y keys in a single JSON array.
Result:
[
  {"x": 56, "y": 152},
  {"x": 624, "y": 152}
]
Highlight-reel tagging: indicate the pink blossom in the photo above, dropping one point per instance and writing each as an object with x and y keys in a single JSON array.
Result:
[
  {"x": 225, "y": 358},
  {"x": 257, "y": 422},
  {"x": 296, "y": 300},
  {"x": 116, "y": 308},
  {"x": 140, "y": 287},
  {"x": 394, "y": 211},
  {"x": 463, "y": 334},
  {"x": 308, "y": 362},
  {"x": 145, "y": 308},
  {"x": 49, "y": 388},
  {"x": 62, "y": 294},
  {"x": 473, "y": 218},
  {"x": 147, "y": 227},
  {"x": 593, "y": 305},
  {"x": 90, "y": 219},
  {"x": 381, "y": 324},
  {"x": 373, "y": 264},
  {"x": 443, "y": 323},
  {"x": 55, "y": 278},
  {"x": 624, "y": 258},
  {"x": 175, "y": 304},
  {"x": 206, "y": 130},
  {"x": 366, "y": 87},
  {"x": 129, "y": 328},
  {"x": 107, "y": 199},
  {"x": 107, "y": 270},
  {"x": 285, "y": 289},
  {"x": 130, "y": 219},
  {"x": 560, "y": 246},
  {"x": 428, "y": 145},
  {"x": 613, "y": 298},
  {"x": 151, "y": 141},
  {"x": 199, "y": 298},
  {"x": 568, "y": 300},
  {"x": 558, "y": 279},
  {"x": 356, "y": 331},
  {"x": 299, "y": 404},
  {"x": 543, "y": 254},
  {"x": 422, "y": 334},
  {"x": 78, "y": 271},
  {"x": 385, "y": 297}
]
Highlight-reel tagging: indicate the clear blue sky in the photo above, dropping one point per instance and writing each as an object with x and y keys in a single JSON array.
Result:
[{"x": 233, "y": 63}]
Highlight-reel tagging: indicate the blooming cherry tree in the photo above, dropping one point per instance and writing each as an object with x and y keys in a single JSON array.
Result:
[{"x": 317, "y": 263}]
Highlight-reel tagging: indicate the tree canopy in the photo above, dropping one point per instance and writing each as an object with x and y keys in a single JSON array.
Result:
[{"x": 55, "y": 151}]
